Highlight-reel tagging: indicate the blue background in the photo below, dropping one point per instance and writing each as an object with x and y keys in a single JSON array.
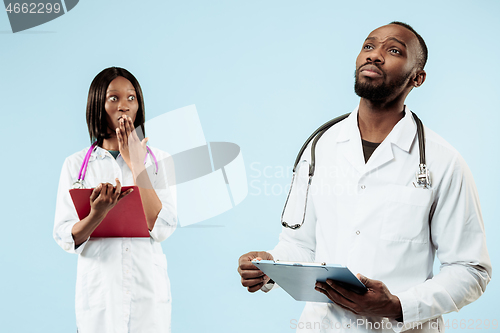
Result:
[{"x": 263, "y": 74}]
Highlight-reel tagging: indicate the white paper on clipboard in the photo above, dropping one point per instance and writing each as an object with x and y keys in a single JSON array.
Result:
[{"x": 298, "y": 279}]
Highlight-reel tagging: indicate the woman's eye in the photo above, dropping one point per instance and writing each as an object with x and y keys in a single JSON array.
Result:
[
  {"x": 113, "y": 99},
  {"x": 131, "y": 98}
]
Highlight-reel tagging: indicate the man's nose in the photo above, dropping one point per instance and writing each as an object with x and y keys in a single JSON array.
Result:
[{"x": 375, "y": 56}]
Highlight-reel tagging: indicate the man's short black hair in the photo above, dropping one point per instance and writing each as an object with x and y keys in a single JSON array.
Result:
[
  {"x": 96, "y": 112},
  {"x": 422, "y": 57}
]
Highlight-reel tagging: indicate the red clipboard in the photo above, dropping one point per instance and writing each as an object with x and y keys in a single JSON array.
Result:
[{"x": 125, "y": 219}]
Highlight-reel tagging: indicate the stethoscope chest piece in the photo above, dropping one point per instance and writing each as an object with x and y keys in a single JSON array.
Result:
[
  {"x": 422, "y": 177},
  {"x": 78, "y": 184}
]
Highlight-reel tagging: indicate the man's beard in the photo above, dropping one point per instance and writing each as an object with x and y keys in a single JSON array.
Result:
[{"x": 377, "y": 93}]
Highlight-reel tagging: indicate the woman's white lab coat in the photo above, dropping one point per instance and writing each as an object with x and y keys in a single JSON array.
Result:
[{"x": 122, "y": 283}]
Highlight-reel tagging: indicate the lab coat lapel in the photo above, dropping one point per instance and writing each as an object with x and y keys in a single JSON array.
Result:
[
  {"x": 402, "y": 136},
  {"x": 349, "y": 142},
  {"x": 380, "y": 156}
]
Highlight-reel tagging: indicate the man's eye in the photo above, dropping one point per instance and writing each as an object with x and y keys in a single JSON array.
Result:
[
  {"x": 394, "y": 51},
  {"x": 131, "y": 98},
  {"x": 367, "y": 47}
]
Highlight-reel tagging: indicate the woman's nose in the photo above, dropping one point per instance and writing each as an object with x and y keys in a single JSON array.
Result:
[{"x": 123, "y": 106}]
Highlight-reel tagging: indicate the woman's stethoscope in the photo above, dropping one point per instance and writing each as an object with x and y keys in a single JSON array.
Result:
[
  {"x": 423, "y": 178},
  {"x": 83, "y": 169}
]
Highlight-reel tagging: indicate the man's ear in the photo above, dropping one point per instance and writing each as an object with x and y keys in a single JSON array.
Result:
[{"x": 419, "y": 78}]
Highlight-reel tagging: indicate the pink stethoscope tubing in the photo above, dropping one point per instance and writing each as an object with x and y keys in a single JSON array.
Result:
[{"x": 83, "y": 168}]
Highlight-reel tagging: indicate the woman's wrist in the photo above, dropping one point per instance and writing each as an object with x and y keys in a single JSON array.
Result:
[{"x": 96, "y": 216}]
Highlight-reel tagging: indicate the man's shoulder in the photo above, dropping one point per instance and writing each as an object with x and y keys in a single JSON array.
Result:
[
  {"x": 333, "y": 131},
  {"x": 330, "y": 135},
  {"x": 434, "y": 143},
  {"x": 442, "y": 156},
  {"x": 433, "y": 138}
]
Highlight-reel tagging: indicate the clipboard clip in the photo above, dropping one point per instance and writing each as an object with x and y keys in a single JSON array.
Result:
[{"x": 297, "y": 263}]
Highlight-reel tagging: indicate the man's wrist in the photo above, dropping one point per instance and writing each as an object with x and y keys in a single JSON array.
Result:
[{"x": 397, "y": 309}]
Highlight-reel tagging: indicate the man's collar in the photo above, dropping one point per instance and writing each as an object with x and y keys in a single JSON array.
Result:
[
  {"x": 402, "y": 134},
  {"x": 349, "y": 130}
]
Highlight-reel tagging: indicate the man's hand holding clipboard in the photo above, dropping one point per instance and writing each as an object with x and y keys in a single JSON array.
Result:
[
  {"x": 252, "y": 277},
  {"x": 376, "y": 301},
  {"x": 321, "y": 282}
]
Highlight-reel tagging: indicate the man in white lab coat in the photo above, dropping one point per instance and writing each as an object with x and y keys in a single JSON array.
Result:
[{"x": 364, "y": 211}]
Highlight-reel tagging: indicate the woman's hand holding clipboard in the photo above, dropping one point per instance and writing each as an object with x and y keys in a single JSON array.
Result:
[{"x": 103, "y": 198}]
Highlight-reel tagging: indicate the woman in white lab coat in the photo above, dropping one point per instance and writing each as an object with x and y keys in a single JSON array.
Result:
[{"x": 122, "y": 283}]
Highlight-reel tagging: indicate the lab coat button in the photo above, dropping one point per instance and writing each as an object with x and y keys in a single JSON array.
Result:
[
  {"x": 358, "y": 232},
  {"x": 126, "y": 249},
  {"x": 363, "y": 187}
]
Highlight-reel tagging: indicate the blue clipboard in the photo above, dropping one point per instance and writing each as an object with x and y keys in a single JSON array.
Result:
[{"x": 298, "y": 279}]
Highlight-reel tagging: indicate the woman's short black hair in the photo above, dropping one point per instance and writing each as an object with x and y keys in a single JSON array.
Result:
[{"x": 96, "y": 113}]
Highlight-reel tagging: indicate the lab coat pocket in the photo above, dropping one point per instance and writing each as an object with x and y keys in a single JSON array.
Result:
[
  {"x": 406, "y": 216},
  {"x": 161, "y": 281},
  {"x": 89, "y": 287}
]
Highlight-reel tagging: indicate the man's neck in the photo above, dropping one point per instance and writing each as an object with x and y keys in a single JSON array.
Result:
[{"x": 376, "y": 120}]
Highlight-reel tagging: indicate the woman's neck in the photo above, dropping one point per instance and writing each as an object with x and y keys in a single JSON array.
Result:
[{"x": 110, "y": 144}]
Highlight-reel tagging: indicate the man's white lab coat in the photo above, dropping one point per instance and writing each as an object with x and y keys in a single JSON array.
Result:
[{"x": 371, "y": 218}]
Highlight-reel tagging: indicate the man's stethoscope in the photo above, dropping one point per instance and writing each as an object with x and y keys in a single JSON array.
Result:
[
  {"x": 422, "y": 177},
  {"x": 83, "y": 168}
]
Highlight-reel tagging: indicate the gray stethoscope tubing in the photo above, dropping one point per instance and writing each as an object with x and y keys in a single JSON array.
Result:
[
  {"x": 83, "y": 169},
  {"x": 422, "y": 175}
]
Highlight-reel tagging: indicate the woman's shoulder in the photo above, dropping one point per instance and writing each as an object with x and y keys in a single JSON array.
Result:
[
  {"x": 79, "y": 153},
  {"x": 77, "y": 157},
  {"x": 160, "y": 154}
]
